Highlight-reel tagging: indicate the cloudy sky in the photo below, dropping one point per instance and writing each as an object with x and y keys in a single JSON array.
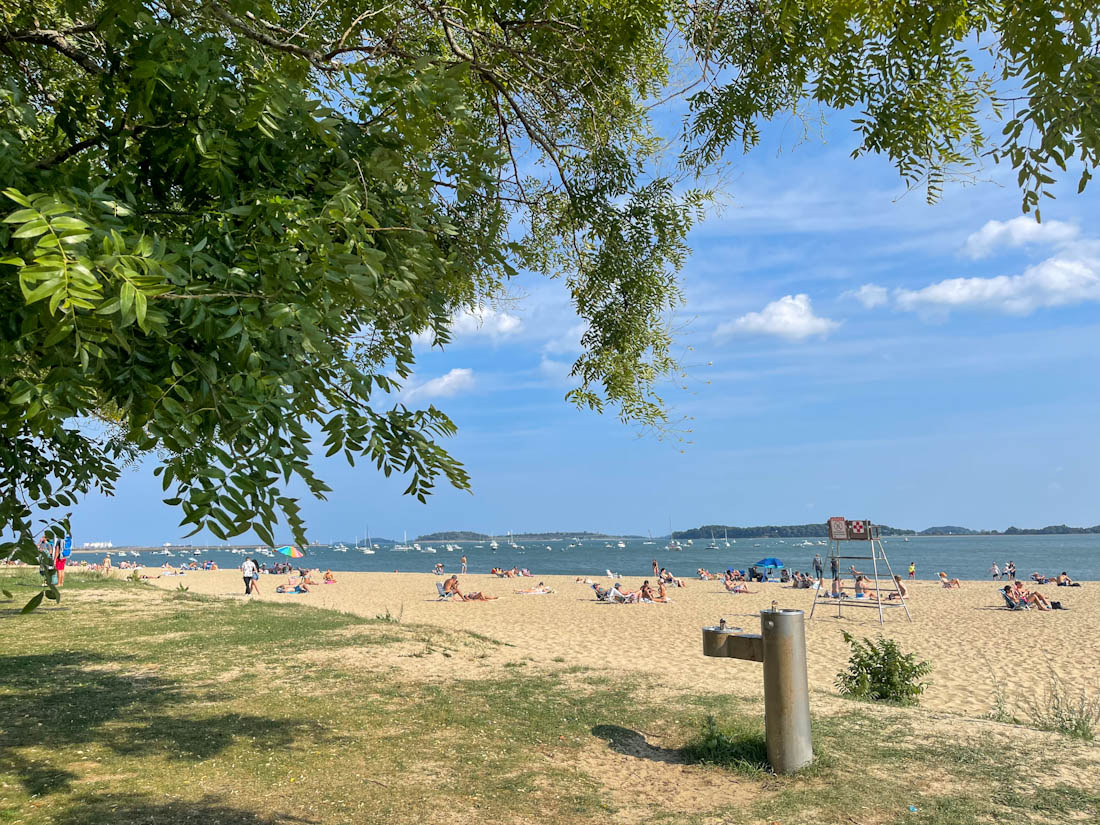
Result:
[{"x": 848, "y": 349}]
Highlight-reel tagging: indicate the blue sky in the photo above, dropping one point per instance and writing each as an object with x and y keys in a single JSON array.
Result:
[{"x": 848, "y": 349}]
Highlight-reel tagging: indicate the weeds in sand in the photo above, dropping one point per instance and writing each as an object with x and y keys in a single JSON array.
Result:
[
  {"x": 1000, "y": 712},
  {"x": 1060, "y": 711},
  {"x": 736, "y": 744},
  {"x": 389, "y": 618}
]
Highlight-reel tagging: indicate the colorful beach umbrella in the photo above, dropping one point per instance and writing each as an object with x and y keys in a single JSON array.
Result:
[
  {"x": 290, "y": 550},
  {"x": 771, "y": 561}
]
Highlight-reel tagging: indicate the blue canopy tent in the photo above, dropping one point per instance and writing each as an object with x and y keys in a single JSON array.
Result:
[{"x": 770, "y": 563}]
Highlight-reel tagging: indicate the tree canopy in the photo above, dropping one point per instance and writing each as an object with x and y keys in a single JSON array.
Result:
[{"x": 225, "y": 221}]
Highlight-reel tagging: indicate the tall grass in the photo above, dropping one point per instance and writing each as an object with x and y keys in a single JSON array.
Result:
[{"x": 1059, "y": 709}]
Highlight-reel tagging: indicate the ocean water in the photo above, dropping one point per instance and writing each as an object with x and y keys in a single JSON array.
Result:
[{"x": 965, "y": 557}]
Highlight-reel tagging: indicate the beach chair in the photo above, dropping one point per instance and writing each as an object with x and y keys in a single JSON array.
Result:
[
  {"x": 1012, "y": 604},
  {"x": 444, "y": 596},
  {"x": 602, "y": 594}
]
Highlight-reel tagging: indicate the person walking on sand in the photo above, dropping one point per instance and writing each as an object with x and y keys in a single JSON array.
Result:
[
  {"x": 463, "y": 565},
  {"x": 912, "y": 569},
  {"x": 996, "y": 571},
  {"x": 255, "y": 577},
  {"x": 656, "y": 573},
  {"x": 819, "y": 566},
  {"x": 248, "y": 568}
]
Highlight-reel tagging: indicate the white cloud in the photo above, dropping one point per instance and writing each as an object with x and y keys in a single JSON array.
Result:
[
  {"x": 870, "y": 295},
  {"x": 1017, "y": 232},
  {"x": 456, "y": 381},
  {"x": 480, "y": 321},
  {"x": 568, "y": 342},
  {"x": 1070, "y": 277},
  {"x": 555, "y": 372},
  {"x": 791, "y": 317}
]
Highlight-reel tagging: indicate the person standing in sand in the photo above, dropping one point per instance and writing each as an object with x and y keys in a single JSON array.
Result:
[
  {"x": 819, "y": 566},
  {"x": 248, "y": 567},
  {"x": 656, "y": 569}
]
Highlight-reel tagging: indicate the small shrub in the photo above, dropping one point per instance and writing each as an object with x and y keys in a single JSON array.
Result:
[
  {"x": 181, "y": 589},
  {"x": 735, "y": 744},
  {"x": 389, "y": 618},
  {"x": 880, "y": 672},
  {"x": 1058, "y": 711}
]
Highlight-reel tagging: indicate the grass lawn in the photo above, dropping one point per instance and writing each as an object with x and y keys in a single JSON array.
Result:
[{"x": 127, "y": 704}]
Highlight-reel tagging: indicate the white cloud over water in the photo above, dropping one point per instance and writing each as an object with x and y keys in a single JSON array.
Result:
[
  {"x": 791, "y": 317},
  {"x": 1019, "y": 231}
]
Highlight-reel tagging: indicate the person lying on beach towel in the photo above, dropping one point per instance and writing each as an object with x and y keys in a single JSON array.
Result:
[
  {"x": 949, "y": 583},
  {"x": 539, "y": 589},
  {"x": 477, "y": 597},
  {"x": 738, "y": 587},
  {"x": 287, "y": 588}
]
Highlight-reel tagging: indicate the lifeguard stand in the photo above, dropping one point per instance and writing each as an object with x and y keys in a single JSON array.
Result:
[{"x": 844, "y": 530}]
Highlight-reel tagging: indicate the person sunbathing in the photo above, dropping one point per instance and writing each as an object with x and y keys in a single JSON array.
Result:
[
  {"x": 902, "y": 591},
  {"x": 329, "y": 578},
  {"x": 538, "y": 590},
  {"x": 740, "y": 587},
  {"x": 292, "y": 588},
  {"x": 1062, "y": 580},
  {"x": 1030, "y": 597},
  {"x": 645, "y": 594},
  {"x": 622, "y": 596},
  {"x": 1039, "y": 578},
  {"x": 949, "y": 583},
  {"x": 477, "y": 597},
  {"x": 662, "y": 594},
  {"x": 862, "y": 589}
]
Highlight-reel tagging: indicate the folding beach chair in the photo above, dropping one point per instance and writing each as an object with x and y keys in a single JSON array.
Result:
[
  {"x": 1014, "y": 605},
  {"x": 444, "y": 596}
]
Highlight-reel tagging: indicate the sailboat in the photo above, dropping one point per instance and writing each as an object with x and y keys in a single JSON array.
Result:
[
  {"x": 672, "y": 543},
  {"x": 726, "y": 536},
  {"x": 713, "y": 545},
  {"x": 493, "y": 544},
  {"x": 404, "y": 545},
  {"x": 368, "y": 550}
]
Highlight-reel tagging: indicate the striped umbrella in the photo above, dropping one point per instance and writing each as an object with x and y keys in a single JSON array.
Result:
[{"x": 290, "y": 550}]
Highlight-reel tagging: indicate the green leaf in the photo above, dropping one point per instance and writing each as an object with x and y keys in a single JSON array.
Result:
[{"x": 33, "y": 603}]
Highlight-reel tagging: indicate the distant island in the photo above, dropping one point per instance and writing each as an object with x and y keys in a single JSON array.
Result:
[
  {"x": 781, "y": 531},
  {"x": 820, "y": 531}
]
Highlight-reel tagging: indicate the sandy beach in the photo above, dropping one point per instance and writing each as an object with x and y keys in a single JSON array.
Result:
[{"x": 973, "y": 644}]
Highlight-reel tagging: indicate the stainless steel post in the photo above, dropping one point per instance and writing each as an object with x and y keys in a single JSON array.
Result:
[{"x": 786, "y": 690}]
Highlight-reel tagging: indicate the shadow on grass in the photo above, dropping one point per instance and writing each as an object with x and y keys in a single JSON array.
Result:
[
  {"x": 632, "y": 743},
  {"x": 136, "y": 809},
  {"x": 72, "y": 699}
]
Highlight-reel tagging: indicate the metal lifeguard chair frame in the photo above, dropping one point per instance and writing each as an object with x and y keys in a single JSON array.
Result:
[{"x": 841, "y": 529}]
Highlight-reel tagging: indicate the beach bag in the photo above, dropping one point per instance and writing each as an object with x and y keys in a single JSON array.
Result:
[{"x": 1056, "y": 606}]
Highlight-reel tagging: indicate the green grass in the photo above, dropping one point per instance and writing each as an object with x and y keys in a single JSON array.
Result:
[{"x": 128, "y": 704}]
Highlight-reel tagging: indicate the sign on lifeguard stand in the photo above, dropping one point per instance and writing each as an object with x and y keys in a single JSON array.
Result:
[{"x": 842, "y": 529}]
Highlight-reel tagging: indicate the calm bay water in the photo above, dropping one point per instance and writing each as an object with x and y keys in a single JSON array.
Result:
[{"x": 968, "y": 557}]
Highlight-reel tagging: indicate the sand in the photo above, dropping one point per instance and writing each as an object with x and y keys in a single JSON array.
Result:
[{"x": 974, "y": 645}]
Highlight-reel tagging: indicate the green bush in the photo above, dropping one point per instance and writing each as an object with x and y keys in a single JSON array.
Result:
[{"x": 880, "y": 672}]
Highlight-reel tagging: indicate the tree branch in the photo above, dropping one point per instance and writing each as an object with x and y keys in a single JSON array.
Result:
[{"x": 57, "y": 41}]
